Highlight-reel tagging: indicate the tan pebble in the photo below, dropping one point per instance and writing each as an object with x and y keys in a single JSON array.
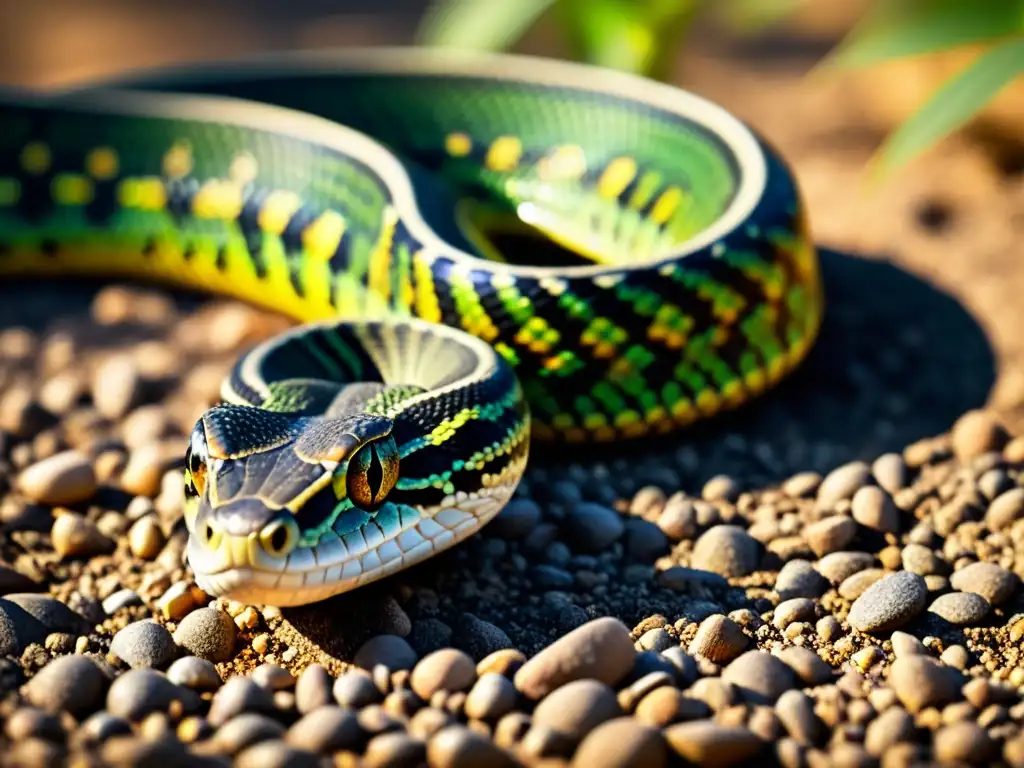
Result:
[
  {"x": 808, "y": 665},
  {"x": 678, "y": 518},
  {"x": 904, "y": 644},
  {"x": 116, "y": 386},
  {"x": 261, "y": 642},
  {"x": 666, "y": 705},
  {"x": 975, "y": 433},
  {"x": 727, "y": 550},
  {"x": 842, "y": 482},
  {"x": 144, "y": 471},
  {"x": 955, "y": 656},
  {"x": 506, "y": 661},
  {"x": 855, "y": 585},
  {"x": 801, "y": 484},
  {"x": 601, "y": 649},
  {"x": 760, "y": 677},
  {"x": 145, "y": 539},
  {"x": 247, "y": 618},
  {"x": 72, "y": 535},
  {"x": 888, "y": 728},
  {"x": 706, "y": 743},
  {"x": 964, "y": 742},
  {"x": 62, "y": 392},
  {"x": 828, "y": 628},
  {"x": 577, "y": 707},
  {"x": 456, "y": 746},
  {"x": 65, "y": 478},
  {"x": 866, "y": 658},
  {"x": 177, "y": 601},
  {"x": 1005, "y": 509},
  {"x": 795, "y": 710},
  {"x": 718, "y": 639},
  {"x": 920, "y": 682},
  {"x": 145, "y": 424},
  {"x": 789, "y": 611},
  {"x": 993, "y": 582},
  {"x": 447, "y": 669},
  {"x": 830, "y": 535},
  {"x": 491, "y": 696},
  {"x": 621, "y": 742},
  {"x": 873, "y": 508},
  {"x": 1014, "y": 450}
]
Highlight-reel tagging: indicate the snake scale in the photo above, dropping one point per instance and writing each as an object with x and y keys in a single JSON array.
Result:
[{"x": 477, "y": 249}]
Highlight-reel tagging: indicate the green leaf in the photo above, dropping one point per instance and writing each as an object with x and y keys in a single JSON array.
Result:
[
  {"x": 478, "y": 24},
  {"x": 953, "y": 104},
  {"x": 900, "y": 28}
]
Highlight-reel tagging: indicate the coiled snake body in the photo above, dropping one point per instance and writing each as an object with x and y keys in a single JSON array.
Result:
[{"x": 480, "y": 248}]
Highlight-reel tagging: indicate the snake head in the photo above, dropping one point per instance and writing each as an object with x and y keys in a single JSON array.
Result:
[{"x": 262, "y": 489}]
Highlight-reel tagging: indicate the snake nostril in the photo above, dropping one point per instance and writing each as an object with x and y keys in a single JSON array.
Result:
[{"x": 279, "y": 537}]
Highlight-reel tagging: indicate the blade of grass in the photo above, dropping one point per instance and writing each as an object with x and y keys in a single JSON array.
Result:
[
  {"x": 898, "y": 29},
  {"x": 478, "y": 24},
  {"x": 951, "y": 106}
]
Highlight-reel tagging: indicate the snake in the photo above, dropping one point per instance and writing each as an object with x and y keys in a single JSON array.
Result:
[{"x": 479, "y": 252}]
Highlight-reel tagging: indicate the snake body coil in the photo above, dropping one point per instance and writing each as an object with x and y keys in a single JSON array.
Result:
[{"x": 480, "y": 247}]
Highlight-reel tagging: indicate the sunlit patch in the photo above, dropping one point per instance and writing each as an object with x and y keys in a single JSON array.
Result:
[
  {"x": 458, "y": 144},
  {"x": 36, "y": 158},
  {"x": 102, "y": 163},
  {"x": 504, "y": 154}
]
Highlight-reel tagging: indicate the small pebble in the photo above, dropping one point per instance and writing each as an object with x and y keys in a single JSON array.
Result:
[
  {"x": 600, "y": 649},
  {"x": 592, "y": 527},
  {"x": 964, "y": 742},
  {"x": 842, "y": 482},
  {"x": 760, "y": 677},
  {"x": 238, "y": 695},
  {"x": 727, "y": 550},
  {"x": 960, "y": 608},
  {"x": 207, "y": 633},
  {"x": 193, "y": 672},
  {"x": 837, "y": 567},
  {"x": 920, "y": 682},
  {"x": 145, "y": 539},
  {"x": 326, "y": 729},
  {"x": 138, "y": 692},
  {"x": 798, "y": 578},
  {"x": 69, "y": 683},
  {"x": 873, "y": 508},
  {"x": 621, "y": 741},
  {"x": 577, "y": 707},
  {"x": 830, "y": 535},
  {"x": 456, "y": 746},
  {"x": 355, "y": 689},
  {"x": 313, "y": 688},
  {"x": 445, "y": 670},
  {"x": 1005, "y": 509},
  {"x": 123, "y": 598},
  {"x": 392, "y": 651},
  {"x": 64, "y": 478},
  {"x": 992, "y": 582},
  {"x": 73, "y": 535},
  {"x": 889, "y": 603},
  {"x": 704, "y": 742},
  {"x": 144, "y": 644},
  {"x": 977, "y": 432},
  {"x": 491, "y": 696}
]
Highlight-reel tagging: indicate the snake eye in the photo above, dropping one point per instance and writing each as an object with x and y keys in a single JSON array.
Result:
[
  {"x": 195, "y": 463},
  {"x": 372, "y": 473}
]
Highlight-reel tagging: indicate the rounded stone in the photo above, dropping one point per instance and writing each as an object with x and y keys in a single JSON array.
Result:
[
  {"x": 456, "y": 746},
  {"x": 516, "y": 519},
  {"x": 144, "y": 644},
  {"x": 759, "y": 676},
  {"x": 68, "y": 683},
  {"x": 727, "y": 550},
  {"x": 313, "y": 688},
  {"x": 491, "y": 696},
  {"x": 704, "y": 742},
  {"x": 993, "y": 582},
  {"x": 718, "y": 639},
  {"x": 889, "y": 603},
  {"x": 326, "y": 729},
  {"x": 964, "y": 743},
  {"x": 390, "y": 650},
  {"x": 854, "y": 586},
  {"x": 842, "y": 482},
  {"x": 50, "y": 612},
  {"x": 874, "y": 508},
  {"x": 447, "y": 669},
  {"x": 355, "y": 689},
  {"x": 808, "y": 665},
  {"x": 591, "y": 527},
  {"x": 830, "y": 535},
  {"x": 1005, "y": 509},
  {"x": 960, "y": 608},
  {"x": 140, "y": 691},
  {"x": 601, "y": 649},
  {"x": 64, "y": 478},
  {"x": 621, "y": 741},
  {"x": 920, "y": 682},
  {"x": 977, "y": 432},
  {"x": 578, "y": 707},
  {"x": 238, "y": 695},
  {"x": 207, "y": 633},
  {"x": 839, "y": 566},
  {"x": 798, "y": 578},
  {"x": 193, "y": 672}
]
